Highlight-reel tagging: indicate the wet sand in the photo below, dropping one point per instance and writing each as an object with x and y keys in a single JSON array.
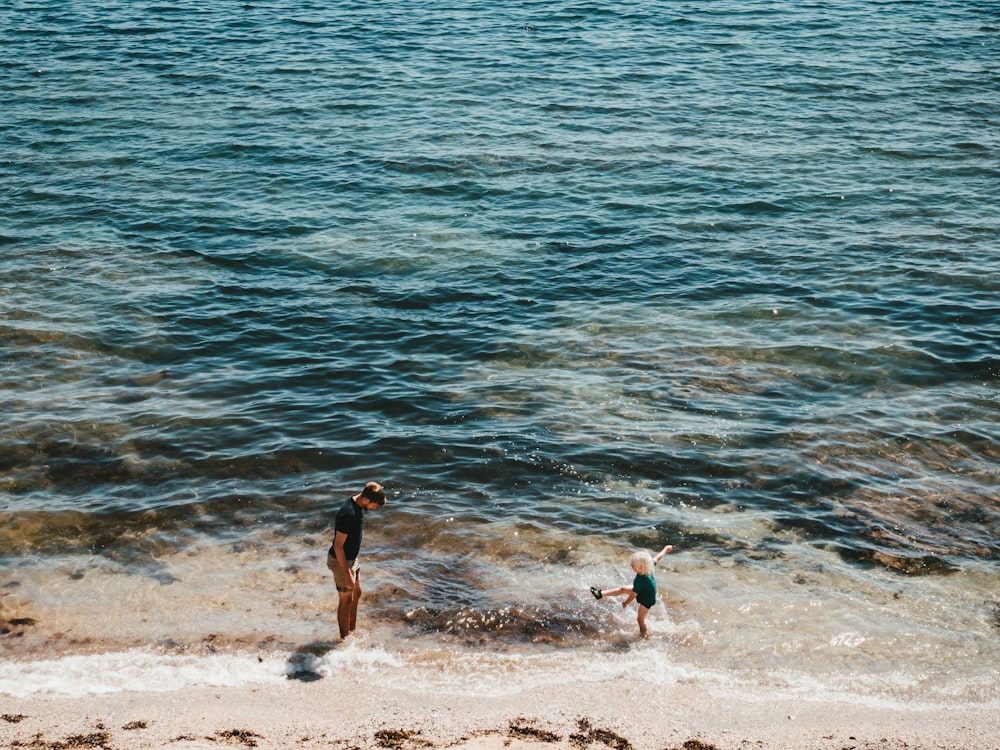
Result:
[{"x": 338, "y": 712}]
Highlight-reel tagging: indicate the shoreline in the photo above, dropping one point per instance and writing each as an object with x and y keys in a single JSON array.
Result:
[{"x": 623, "y": 714}]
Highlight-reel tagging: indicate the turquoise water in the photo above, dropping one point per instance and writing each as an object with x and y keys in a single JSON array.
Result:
[{"x": 570, "y": 278}]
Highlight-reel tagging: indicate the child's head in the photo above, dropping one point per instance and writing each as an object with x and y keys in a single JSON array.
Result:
[{"x": 642, "y": 563}]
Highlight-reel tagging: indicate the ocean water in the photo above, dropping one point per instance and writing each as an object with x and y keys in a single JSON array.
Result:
[{"x": 570, "y": 278}]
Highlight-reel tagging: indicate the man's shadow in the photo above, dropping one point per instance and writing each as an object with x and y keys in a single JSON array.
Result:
[{"x": 303, "y": 663}]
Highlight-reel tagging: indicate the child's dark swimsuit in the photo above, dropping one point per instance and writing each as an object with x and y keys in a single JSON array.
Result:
[{"x": 645, "y": 590}]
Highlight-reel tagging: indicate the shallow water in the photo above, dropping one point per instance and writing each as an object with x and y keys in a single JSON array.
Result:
[{"x": 570, "y": 279}]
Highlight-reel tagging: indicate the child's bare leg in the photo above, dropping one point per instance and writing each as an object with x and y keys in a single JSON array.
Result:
[
  {"x": 643, "y": 611},
  {"x": 621, "y": 590}
]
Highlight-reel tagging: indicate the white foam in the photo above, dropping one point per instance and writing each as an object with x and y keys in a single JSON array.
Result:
[
  {"x": 138, "y": 671},
  {"x": 446, "y": 670},
  {"x": 358, "y": 659}
]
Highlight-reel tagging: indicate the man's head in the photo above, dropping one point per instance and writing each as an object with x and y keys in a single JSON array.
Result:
[{"x": 372, "y": 496}]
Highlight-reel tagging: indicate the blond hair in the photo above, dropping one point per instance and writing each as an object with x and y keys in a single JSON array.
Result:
[{"x": 642, "y": 563}]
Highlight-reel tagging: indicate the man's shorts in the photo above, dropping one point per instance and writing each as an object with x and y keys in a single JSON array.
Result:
[{"x": 338, "y": 575}]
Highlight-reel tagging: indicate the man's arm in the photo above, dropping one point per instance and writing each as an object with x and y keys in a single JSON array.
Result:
[{"x": 338, "y": 551}]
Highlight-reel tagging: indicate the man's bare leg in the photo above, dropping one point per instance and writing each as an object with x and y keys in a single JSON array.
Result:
[
  {"x": 344, "y": 608},
  {"x": 355, "y": 599}
]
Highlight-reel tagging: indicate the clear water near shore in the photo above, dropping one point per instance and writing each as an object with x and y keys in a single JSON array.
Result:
[{"x": 571, "y": 279}]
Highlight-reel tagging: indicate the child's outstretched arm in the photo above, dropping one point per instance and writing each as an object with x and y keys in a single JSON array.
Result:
[{"x": 665, "y": 551}]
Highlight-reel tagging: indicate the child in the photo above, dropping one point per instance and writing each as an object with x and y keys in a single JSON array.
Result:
[{"x": 643, "y": 587}]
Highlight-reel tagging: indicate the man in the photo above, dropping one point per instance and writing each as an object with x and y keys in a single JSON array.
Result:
[{"x": 342, "y": 560}]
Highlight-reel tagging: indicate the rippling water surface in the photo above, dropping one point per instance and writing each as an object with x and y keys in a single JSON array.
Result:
[{"x": 570, "y": 278}]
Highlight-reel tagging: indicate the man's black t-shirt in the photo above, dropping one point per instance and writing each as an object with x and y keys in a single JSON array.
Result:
[{"x": 350, "y": 521}]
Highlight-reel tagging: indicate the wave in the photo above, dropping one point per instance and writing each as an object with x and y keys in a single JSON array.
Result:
[{"x": 133, "y": 671}]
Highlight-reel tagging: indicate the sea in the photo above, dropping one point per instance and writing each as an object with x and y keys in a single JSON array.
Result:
[{"x": 572, "y": 278}]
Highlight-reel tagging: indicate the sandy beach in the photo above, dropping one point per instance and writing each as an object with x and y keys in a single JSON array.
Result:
[{"x": 338, "y": 712}]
